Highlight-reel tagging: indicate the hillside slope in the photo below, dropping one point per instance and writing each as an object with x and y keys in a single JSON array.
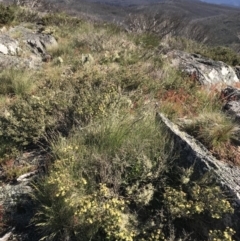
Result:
[{"x": 83, "y": 155}]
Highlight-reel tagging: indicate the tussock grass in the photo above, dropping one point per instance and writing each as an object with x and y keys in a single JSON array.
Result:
[
  {"x": 16, "y": 82},
  {"x": 214, "y": 129}
]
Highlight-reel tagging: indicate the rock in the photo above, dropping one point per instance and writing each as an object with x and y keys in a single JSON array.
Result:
[
  {"x": 233, "y": 109},
  {"x": 6, "y": 237},
  {"x": 47, "y": 58},
  {"x": 232, "y": 106},
  {"x": 59, "y": 60},
  {"x": 87, "y": 59},
  {"x": 3, "y": 29},
  {"x": 13, "y": 196},
  {"x": 227, "y": 175},
  {"x": 193, "y": 153},
  {"x": 16, "y": 197},
  {"x": 3, "y": 49},
  {"x": 40, "y": 42},
  {"x": 26, "y": 176},
  {"x": 34, "y": 47},
  {"x": 206, "y": 71},
  {"x": 8, "y": 45},
  {"x": 237, "y": 70},
  {"x": 230, "y": 93}
]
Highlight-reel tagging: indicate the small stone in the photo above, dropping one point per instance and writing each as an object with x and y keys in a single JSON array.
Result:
[
  {"x": 47, "y": 58},
  {"x": 59, "y": 60}
]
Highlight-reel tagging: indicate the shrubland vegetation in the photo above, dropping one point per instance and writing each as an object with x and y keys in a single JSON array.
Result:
[{"x": 112, "y": 174}]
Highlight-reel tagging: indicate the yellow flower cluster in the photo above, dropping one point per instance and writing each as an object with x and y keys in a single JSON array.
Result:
[
  {"x": 155, "y": 235},
  {"x": 69, "y": 148},
  {"x": 214, "y": 202},
  {"x": 202, "y": 200},
  {"x": 218, "y": 235},
  {"x": 62, "y": 179},
  {"x": 177, "y": 202},
  {"x": 104, "y": 210}
]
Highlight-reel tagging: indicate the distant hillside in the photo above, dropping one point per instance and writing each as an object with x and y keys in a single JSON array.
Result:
[
  {"x": 235, "y": 3},
  {"x": 204, "y": 22}
]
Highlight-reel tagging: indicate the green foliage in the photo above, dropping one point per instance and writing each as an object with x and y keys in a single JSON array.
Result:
[
  {"x": 214, "y": 129},
  {"x": 95, "y": 164},
  {"x": 148, "y": 41},
  {"x": 25, "y": 122},
  {"x": 23, "y": 15},
  {"x": 60, "y": 19},
  {"x": 56, "y": 217},
  {"x": 220, "y": 53},
  {"x": 198, "y": 199},
  {"x": 16, "y": 82},
  {"x": 110, "y": 174},
  {"x": 6, "y": 14}
]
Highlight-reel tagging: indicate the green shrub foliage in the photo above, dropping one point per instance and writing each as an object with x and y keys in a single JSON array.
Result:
[{"x": 6, "y": 14}]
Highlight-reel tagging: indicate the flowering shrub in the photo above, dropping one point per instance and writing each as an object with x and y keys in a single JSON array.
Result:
[
  {"x": 202, "y": 200},
  {"x": 218, "y": 235},
  {"x": 109, "y": 177}
]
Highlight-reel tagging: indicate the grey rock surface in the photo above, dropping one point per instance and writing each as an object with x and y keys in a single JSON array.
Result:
[
  {"x": 15, "y": 196},
  {"x": 8, "y": 45},
  {"x": 21, "y": 47},
  {"x": 227, "y": 175},
  {"x": 206, "y": 71},
  {"x": 231, "y": 95},
  {"x": 6, "y": 237},
  {"x": 193, "y": 153}
]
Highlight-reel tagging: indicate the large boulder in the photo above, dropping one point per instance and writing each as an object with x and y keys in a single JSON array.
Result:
[
  {"x": 37, "y": 41},
  {"x": 206, "y": 71}
]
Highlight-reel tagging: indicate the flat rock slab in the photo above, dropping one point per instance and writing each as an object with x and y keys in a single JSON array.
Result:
[
  {"x": 228, "y": 176},
  {"x": 206, "y": 71},
  {"x": 193, "y": 153}
]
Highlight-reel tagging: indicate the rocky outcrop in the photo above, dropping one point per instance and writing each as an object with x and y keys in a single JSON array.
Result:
[
  {"x": 193, "y": 153},
  {"x": 21, "y": 47},
  {"x": 197, "y": 154},
  {"x": 206, "y": 71}
]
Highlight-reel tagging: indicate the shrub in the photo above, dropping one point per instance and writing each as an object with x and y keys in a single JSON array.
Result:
[
  {"x": 113, "y": 181},
  {"x": 6, "y": 14},
  {"x": 26, "y": 122},
  {"x": 225, "y": 235},
  {"x": 93, "y": 169},
  {"x": 60, "y": 19}
]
